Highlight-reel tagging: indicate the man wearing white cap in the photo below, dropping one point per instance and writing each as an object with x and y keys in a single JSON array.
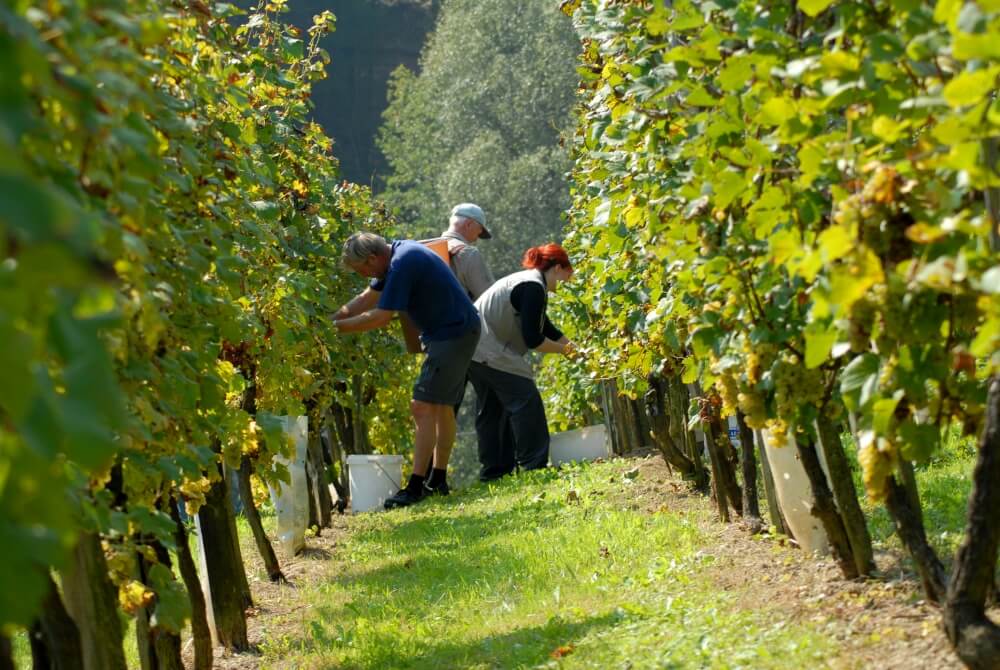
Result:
[{"x": 466, "y": 225}]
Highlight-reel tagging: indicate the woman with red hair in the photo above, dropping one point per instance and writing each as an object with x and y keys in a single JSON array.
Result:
[{"x": 514, "y": 322}]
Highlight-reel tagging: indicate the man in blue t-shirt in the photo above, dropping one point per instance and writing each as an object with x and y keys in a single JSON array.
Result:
[{"x": 409, "y": 278}]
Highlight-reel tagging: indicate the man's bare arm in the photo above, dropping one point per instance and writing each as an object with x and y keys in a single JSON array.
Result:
[
  {"x": 370, "y": 320},
  {"x": 362, "y": 302}
]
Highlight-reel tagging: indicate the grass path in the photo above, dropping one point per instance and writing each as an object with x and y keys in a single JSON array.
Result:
[
  {"x": 611, "y": 565},
  {"x": 603, "y": 566}
]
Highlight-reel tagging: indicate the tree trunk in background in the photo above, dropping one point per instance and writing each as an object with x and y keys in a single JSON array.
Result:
[
  {"x": 360, "y": 427},
  {"x": 159, "y": 648},
  {"x": 908, "y": 479},
  {"x": 825, "y": 509},
  {"x": 224, "y": 567},
  {"x": 250, "y": 511},
  {"x": 623, "y": 421},
  {"x": 337, "y": 456},
  {"x": 230, "y": 515},
  {"x": 200, "y": 632},
  {"x": 643, "y": 424},
  {"x": 846, "y": 496},
  {"x": 910, "y": 527},
  {"x": 321, "y": 490},
  {"x": 773, "y": 508},
  {"x": 751, "y": 505},
  {"x": 718, "y": 487},
  {"x": 630, "y": 409},
  {"x": 730, "y": 461},
  {"x": 92, "y": 601},
  {"x": 55, "y": 638},
  {"x": 341, "y": 423},
  {"x": 609, "y": 394},
  {"x": 665, "y": 439},
  {"x": 678, "y": 398},
  {"x": 312, "y": 515},
  {"x": 624, "y": 418},
  {"x": 264, "y": 546},
  {"x": 974, "y": 636},
  {"x": 992, "y": 194}
]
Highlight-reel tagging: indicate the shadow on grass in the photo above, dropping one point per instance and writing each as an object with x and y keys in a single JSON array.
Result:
[
  {"x": 407, "y": 607},
  {"x": 437, "y": 552},
  {"x": 523, "y": 647}
]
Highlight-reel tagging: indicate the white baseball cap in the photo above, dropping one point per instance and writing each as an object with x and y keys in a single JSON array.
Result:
[{"x": 474, "y": 212}]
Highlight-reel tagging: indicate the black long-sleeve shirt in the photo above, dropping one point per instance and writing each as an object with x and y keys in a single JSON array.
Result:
[{"x": 528, "y": 298}]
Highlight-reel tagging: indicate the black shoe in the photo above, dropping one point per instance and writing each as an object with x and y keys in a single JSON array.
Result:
[
  {"x": 405, "y": 498},
  {"x": 441, "y": 489}
]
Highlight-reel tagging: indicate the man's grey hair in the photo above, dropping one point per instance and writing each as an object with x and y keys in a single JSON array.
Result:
[
  {"x": 456, "y": 219},
  {"x": 359, "y": 247}
]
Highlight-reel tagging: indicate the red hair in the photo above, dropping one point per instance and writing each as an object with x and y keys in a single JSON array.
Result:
[{"x": 545, "y": 256}]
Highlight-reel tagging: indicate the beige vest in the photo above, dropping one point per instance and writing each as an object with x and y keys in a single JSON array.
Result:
[{"x": 501, "y": 345}]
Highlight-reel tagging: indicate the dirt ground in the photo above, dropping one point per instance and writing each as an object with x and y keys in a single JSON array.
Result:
[
  {"x": 882, "y": 622},
  {"x": 278, "y": 609}
]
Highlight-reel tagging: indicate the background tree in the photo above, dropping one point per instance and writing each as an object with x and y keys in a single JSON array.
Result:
[
  {"x": 482, "y": 122},
  {"x": 373, "y": 38}
]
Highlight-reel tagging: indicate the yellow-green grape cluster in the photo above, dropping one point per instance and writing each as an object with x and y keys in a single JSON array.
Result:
[
  {"x": 777, "y": 433},
  {"x": 120, "y": 561},
  {"x": 892, "y": 325},
  {"x": 134, "y": 596},
  {"x": 891, "y": 320},
  {"x": 795, "y": 385},
  {"x": 883, "y": 186},
  {"x": 887, "y": 374},
  {"x": 759, "y": 358},
  {"x": 752, "y": 405},
  {"x": 728, "y": 389},
  {"x": 876, "y": 459},
  {"x": 878, "y": 213},
  {"x": 848, "y": 212}
]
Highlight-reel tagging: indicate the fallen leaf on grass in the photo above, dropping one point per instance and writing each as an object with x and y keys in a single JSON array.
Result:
[
  {"x": 564, "y": 650},
  {"x": 572, "y": 496}
]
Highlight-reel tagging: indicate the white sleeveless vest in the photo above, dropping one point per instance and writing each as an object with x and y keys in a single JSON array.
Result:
[{"x": 501, "y": 344}]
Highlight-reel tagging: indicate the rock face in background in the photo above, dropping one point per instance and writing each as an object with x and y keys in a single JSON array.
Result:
[{"x": 373, "y": 37}]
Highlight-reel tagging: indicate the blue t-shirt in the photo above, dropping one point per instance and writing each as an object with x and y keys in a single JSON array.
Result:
[{"x": 424, "y": 287}]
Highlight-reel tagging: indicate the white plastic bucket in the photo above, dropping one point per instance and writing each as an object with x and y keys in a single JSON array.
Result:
[
  {"x": 582, "y": 444},
  {"x": 373, "y": 479},
  {"x": 791, "y": 485},
  {"x": 291, "y": 504}
]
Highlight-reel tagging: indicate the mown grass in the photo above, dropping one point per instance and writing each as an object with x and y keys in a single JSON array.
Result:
[
  {"x": 944, "y": 483},
  {"x": 527, "y": 574},
  {"x": 515, "y": 575}
]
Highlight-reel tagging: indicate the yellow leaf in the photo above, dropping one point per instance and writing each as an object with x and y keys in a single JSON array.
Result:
[
  {"x": 784, "y": 244},
  {"x": 835, "y": 242},
  {"x": 924, "y": 233}
]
